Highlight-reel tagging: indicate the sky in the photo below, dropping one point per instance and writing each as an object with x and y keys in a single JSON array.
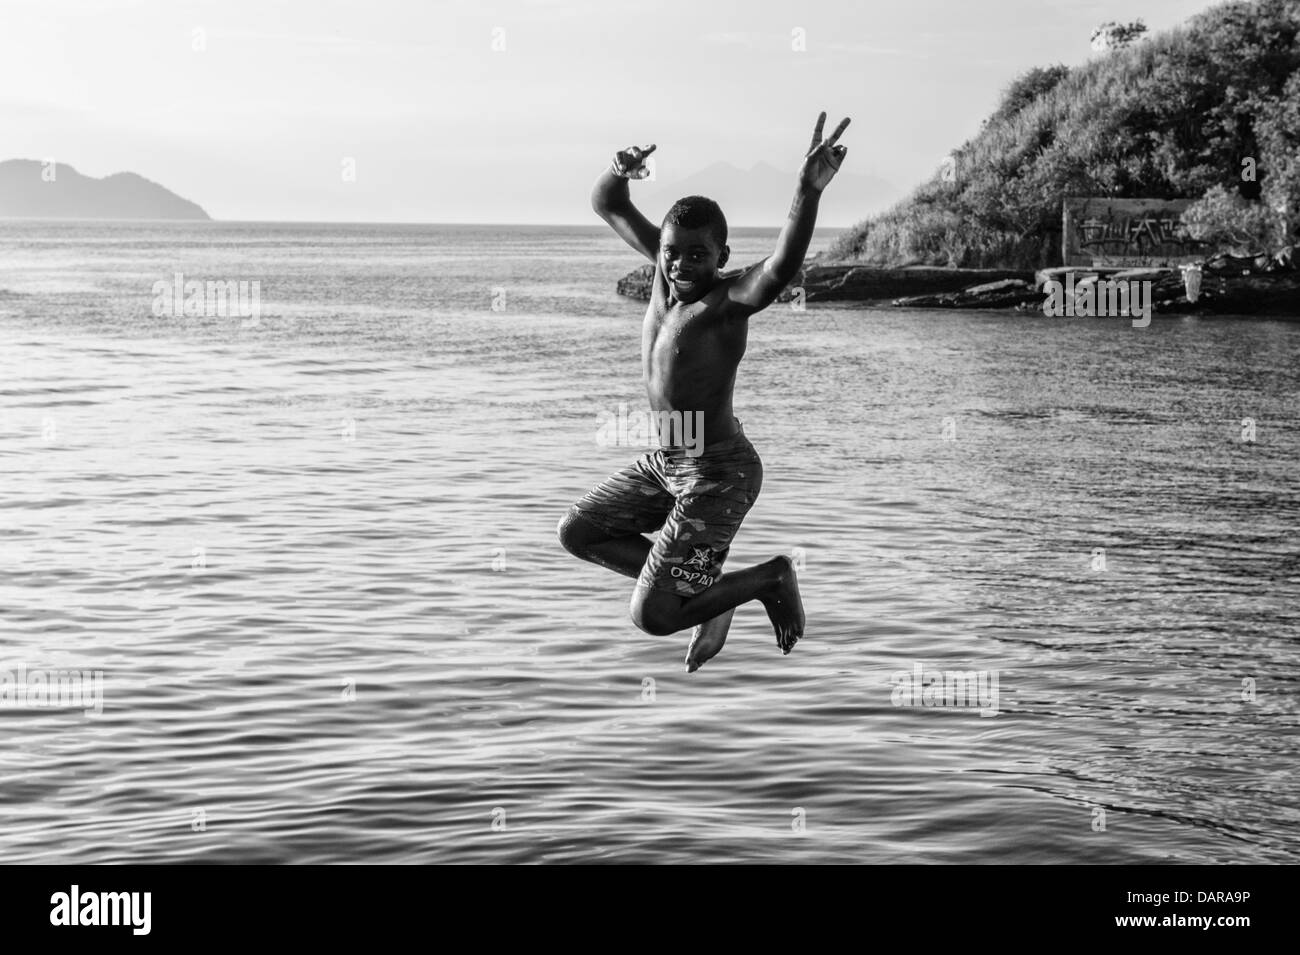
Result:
[{"x": 429, "y": 111}]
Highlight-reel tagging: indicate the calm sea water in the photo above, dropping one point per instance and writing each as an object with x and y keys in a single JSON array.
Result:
[{"x": 314, "y": 560}]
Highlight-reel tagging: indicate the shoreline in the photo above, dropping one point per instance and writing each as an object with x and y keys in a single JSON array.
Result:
[{"x": 1229, "y": 285}]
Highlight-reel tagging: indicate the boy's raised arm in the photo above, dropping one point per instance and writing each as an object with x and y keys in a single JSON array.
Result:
[
  {"x": 758, "y": 288},
  {"x": 612, "y": 201}
]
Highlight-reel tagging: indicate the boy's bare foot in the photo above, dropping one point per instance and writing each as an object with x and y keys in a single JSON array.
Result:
[
  {"x": 707, "y": 640},
  {"x": 784, "y": 606}
]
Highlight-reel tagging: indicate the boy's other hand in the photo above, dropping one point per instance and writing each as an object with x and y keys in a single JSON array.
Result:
[
  {"x": 630, "y": 163},
  {"x": 823, "y": 159}
]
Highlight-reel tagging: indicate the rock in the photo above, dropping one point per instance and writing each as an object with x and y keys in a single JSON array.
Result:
[
  {"x": 636, "y": 284},
  {"x": 868, "y": 284},
  {"x": 1061, "y": 273},
  {"x": 1002, "y": 286},
  {"x": 996, "y": 298},
  {"x": 1145, "y": 275},
  {"x": 1264, "y": 293},
  {"x": 856, "y": 283}
]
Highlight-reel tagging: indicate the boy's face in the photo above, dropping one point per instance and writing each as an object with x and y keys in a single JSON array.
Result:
[{"x": 690, "y": 259}]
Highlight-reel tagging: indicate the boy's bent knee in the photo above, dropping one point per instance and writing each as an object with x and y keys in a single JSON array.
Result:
[
  {"x": 574, "y": 532},
  {"x": 655, "y": 613}
]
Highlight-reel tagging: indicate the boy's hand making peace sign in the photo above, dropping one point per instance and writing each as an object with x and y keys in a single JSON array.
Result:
[{"x": 823, "y": 159}]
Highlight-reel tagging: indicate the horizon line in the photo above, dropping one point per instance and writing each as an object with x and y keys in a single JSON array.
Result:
[{"x": 215, "y": 221}]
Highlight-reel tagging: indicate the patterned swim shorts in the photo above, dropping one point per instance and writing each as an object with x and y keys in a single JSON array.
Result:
[{"x": 696, "y": 504}]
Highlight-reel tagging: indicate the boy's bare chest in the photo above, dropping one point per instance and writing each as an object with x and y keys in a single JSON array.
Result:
[
  {"x": 680, "y": 333},
  {"x": 670, "y": 325}
]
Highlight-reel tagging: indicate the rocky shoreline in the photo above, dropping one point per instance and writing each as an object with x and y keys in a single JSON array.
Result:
[
  {"x": 1245, "y": 285},
  {"x": 854, "y": 283}
]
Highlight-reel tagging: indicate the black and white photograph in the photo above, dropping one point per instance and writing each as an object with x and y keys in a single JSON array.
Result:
[{"x": 558, "y": 432}]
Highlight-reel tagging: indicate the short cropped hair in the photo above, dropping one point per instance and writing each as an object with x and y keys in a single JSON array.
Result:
[{"x": 697, "y": 212}]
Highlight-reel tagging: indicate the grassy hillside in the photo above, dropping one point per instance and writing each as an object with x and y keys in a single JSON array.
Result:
[{"x": 1173, "y": 115}]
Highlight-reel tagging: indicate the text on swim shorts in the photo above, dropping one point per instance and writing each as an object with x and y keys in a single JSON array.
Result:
[{"x": 692, "y": 576}]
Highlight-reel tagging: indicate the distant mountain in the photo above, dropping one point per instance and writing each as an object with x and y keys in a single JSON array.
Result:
[
  {"x": 761, "y": 196},
  {"x": 27, "y": 190}
]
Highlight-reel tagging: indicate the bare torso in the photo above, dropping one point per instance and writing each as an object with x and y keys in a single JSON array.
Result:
[{"x": 689, "y": 355}]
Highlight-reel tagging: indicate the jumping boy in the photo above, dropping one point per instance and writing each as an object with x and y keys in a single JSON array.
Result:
[{"x": 692, "y": 340}]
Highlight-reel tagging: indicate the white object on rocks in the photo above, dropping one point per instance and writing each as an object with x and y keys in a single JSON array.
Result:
[{"x": 1192, "y": 281}]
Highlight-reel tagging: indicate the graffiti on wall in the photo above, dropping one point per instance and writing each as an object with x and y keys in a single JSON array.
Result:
[{"x": 1126, "y": 232}]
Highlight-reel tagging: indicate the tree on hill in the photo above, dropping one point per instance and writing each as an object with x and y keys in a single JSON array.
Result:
[{"x": 1115, "y": 36}]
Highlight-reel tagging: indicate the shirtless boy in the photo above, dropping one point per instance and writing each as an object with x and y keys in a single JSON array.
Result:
[{"x": 692, "y": 339}]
